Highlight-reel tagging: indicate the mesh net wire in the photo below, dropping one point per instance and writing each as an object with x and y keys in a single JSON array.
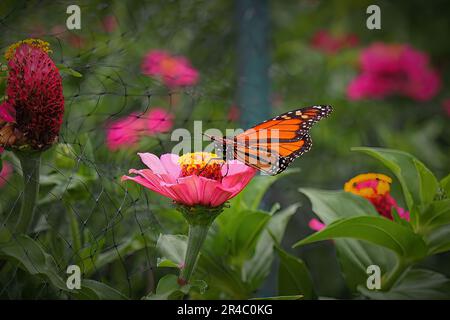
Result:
[{"x": 80, "y": 178}]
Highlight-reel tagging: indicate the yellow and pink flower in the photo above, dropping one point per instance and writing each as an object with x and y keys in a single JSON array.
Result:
[
  {"x": 376, "y": 188},
  {"x": 193, "y": 179}
]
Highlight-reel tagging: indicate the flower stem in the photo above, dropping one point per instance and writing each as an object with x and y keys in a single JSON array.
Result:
[
  {"x": 392, "y": 277},
  {"x": 196, "y": 238},
  {"x": 200, "y": 219},
  {"x": 30, "y": 163}
]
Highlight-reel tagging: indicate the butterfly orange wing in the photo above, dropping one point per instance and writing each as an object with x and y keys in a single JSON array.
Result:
[{"x": 273, "y": 144}]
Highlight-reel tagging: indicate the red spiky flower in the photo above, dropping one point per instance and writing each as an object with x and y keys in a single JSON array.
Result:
[{"x": 34, "y": 97}]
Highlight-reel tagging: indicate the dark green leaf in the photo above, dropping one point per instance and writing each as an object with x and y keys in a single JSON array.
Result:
[
  {"x": 257, "y": 268},
  {"x": 439, "y": 240},
  {"x": 354, "y": 256},
  {"x": 94, "y": 290},
  {"x": 445, "y": 185},
  {"x": 376, "y": 230},
  {"x": 293, "y": 276},
  {"x": 415, "y": 284},
  {"x": 333, "y": 205},
  {"x": 418, "y": 182},
  {"x": 248, "y": 231},
  {"x": 172, "y": 249},
  {"x": 251, "y": 196}
]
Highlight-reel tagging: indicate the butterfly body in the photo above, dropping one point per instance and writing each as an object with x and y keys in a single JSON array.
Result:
[{"x": 273, "y": 144}]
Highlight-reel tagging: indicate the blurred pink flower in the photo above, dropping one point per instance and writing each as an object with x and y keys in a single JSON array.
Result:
[
  {"x": 109, "y": 23},
  {"x": 446, "y": 107},
  {"x": 234, "y": 113},
  {"x": 174, "y": 71},
  {"x": 5, "y": 173},
  {"x": 158, "y": 120},
  {"x": 394, "y": 69},
  {"x": 125, "y": 132},
  {"x": 192, "y": 179},
  {"x": 315, "y": 224},
  {"x": 328, "y": 43}
]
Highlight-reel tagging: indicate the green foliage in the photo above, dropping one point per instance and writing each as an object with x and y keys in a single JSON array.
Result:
[
  {"x": 293, "y": 276},
  {"x": 169, "y": 289},
  {"x": 239, "y": 250},
  {"x": 354, "y": 218}
]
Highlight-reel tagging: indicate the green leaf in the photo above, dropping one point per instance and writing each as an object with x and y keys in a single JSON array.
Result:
[
  {"x": 354, "y": 256},
  {"x": 415, "y": 284},
  {"x": 88, "y": 255},
  {"x": 169, "y": 289},
  {"x": 257, "y": 268},
  {"x": 439, "y": 240},
  {"x": 94, "y": 290},
  {"x": 173, "y": 250},
  {"x": 418, "y": 182},
  {"x": 67, "y": 70},
  {"x": 436, "y": 214},
  {"x": 376, "y": 230},
  {"x": 250, "y": 198},
  {"x": 248, "y": 230},
  {"x": 445, "y": 185},
  {"x": 333, "y": 205},
  {"x": 127, "y": 247},
  {"x": 32, "y": 258},
  {"x": 293, "y": 276}
]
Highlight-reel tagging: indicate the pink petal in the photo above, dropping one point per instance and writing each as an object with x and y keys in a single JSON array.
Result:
[
  {"x": 151, "y": 181},
  {"x": 170, "y": 164},
  {"x": 316, "y": 225},
  {"x": 236, "y": 176},
  {"x": 155, "y": 164}
]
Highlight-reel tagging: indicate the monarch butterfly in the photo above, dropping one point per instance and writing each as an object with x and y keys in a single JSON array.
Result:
[{"x": 272, "y": 145}]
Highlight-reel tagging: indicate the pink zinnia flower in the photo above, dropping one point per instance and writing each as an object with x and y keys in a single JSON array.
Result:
[
  {"x": 125, "y": 132},
  {"x": 174, "y": 71},
  {"x": 35, "y": 106},
  {"x": 331, "y": 44},
  {"x": 394, "y": 70},
  {"x": 192, "y": 179},
  {"x": 158, "y": 120},
  {"x": 5, "y": 173}
]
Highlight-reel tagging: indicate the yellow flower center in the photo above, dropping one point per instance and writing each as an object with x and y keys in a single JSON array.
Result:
[
  {"x": 203, "y": 164},
  {"x": 369, "y": 185},
  {"x": 35, "y": 43}
]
